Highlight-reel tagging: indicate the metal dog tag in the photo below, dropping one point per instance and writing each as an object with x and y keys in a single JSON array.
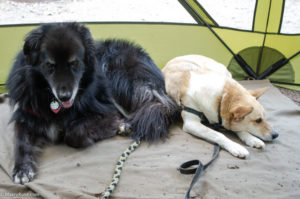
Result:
[{"x": 55, "y": 107}]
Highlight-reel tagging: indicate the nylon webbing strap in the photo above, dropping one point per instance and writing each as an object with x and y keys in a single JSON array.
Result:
[
  {"x": 185, "y": 169},
  {"x": 201, "y": 115},
  {"x": 203, "y": 118}
]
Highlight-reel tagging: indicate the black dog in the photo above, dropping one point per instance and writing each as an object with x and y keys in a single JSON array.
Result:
[{"x": 68, "y": 89}]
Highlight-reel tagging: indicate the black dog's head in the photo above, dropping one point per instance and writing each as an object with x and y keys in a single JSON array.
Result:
[{"x": 62, "y": 53}]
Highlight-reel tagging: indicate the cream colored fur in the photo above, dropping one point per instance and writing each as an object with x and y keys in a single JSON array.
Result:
[{"x": 202, "y": 83}]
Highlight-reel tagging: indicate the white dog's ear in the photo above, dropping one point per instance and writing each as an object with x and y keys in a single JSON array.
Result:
[
  {"x": 258, "y": 92},
  {"x": 239, "y": 112}
]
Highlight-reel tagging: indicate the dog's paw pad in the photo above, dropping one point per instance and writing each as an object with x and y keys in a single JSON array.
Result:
[
  {"x": 124, "y": 129},
  {"x": 23, "y": 176}
]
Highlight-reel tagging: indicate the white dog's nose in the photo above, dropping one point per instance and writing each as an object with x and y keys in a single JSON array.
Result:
[{"x": 274, "y": 134}]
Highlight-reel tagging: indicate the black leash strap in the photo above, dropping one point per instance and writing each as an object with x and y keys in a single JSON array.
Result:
[{"x": 184, "y": 168}]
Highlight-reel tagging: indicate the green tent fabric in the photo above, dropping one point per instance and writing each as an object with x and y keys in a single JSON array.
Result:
[
  {"x": 260, "y": 47},
  {"x": 269, "y": 57}
]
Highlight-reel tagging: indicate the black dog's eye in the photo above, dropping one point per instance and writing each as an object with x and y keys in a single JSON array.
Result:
[
  {"x": 50, "y": 67},
  {"x": 259, "y": 120},
  {"x": 74, "y": 64}
]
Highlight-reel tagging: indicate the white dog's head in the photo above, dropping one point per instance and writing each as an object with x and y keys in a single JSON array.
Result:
[{"x": 248, "y": 115}]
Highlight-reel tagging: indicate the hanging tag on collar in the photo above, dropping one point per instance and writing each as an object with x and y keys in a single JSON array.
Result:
[{"x": 55, "y": 106}]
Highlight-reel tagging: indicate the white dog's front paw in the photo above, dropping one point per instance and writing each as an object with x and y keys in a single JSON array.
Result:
[
  {"x": 255, "y": 143},
  {"x": 237, "y": 150}
]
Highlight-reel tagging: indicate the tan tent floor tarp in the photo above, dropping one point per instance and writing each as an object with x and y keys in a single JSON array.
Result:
[{"x": 151, "y": 171}]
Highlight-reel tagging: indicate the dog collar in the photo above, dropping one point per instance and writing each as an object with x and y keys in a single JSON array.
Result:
[{"x": 55, "y": 106}]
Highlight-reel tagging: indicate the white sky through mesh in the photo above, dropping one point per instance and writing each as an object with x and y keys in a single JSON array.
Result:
[
  {"x": 231, "y": 13},
  {"x": 39, "y": 11},
  {"x": 291, "y": 17},
  {"x": 228, "y": 13}
]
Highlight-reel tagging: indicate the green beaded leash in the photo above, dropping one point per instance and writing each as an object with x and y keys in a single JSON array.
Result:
[{"x": 118, "y": 169}]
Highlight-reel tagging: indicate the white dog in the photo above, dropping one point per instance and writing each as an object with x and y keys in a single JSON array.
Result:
[{"x": 206, "y": 86}]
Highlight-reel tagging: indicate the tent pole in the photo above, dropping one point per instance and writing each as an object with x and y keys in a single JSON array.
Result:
[
  {"x": 286, "y": 83},
  {"x": 237, "y": 57},
  {"x": 277, "y": 65},
  {"x": 260, "y": 56}
]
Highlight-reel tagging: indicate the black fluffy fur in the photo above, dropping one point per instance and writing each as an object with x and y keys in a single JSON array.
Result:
[
  {"x": 138, "y": 86},
  {"x": 107, "y": 73}
]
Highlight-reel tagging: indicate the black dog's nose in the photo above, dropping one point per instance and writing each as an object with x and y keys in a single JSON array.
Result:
[
  {"x": 274, "y": 134},
  {"x": 64, "y": 94}
]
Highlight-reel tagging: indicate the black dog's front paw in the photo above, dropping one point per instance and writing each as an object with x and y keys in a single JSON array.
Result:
[
  {"x": 124, "y": 129},
  {"x": 23, "y": 174}
]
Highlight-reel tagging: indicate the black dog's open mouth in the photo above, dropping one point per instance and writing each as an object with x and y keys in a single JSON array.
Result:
[{"x": 67, "y": 104}]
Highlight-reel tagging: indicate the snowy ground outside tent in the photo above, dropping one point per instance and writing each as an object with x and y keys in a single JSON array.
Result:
[{"x": 231, "y": 13}]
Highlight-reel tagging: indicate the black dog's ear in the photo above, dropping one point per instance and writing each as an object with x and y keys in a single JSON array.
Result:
[
  {"x": 32, "y": 45},
  {"x": 88, "y": 42}
]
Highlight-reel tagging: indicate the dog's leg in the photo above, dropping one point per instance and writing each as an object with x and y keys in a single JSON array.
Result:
[
  {"x": 27, "y": 146},
  {"x": 193, "y": 126},
  {"x": 250, "y": 140},
  {"x": 86, "y": 131}
]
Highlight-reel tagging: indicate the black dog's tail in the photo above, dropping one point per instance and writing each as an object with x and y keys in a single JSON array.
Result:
[{"x": 155, "y": 112}]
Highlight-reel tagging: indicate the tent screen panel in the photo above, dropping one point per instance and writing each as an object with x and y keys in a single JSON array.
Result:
[
  {"x": 264, "y": 57},
  {"x": 93, "y": 11},
  {"x": 291, "y": 17},
  {"x": 236, "y": 13}
]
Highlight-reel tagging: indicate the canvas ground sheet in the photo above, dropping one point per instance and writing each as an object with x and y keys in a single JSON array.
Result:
[{"x": 151, "y": 171}]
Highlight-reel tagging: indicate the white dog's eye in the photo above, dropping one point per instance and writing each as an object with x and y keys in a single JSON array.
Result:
[{"x": 259, "y": 120}]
